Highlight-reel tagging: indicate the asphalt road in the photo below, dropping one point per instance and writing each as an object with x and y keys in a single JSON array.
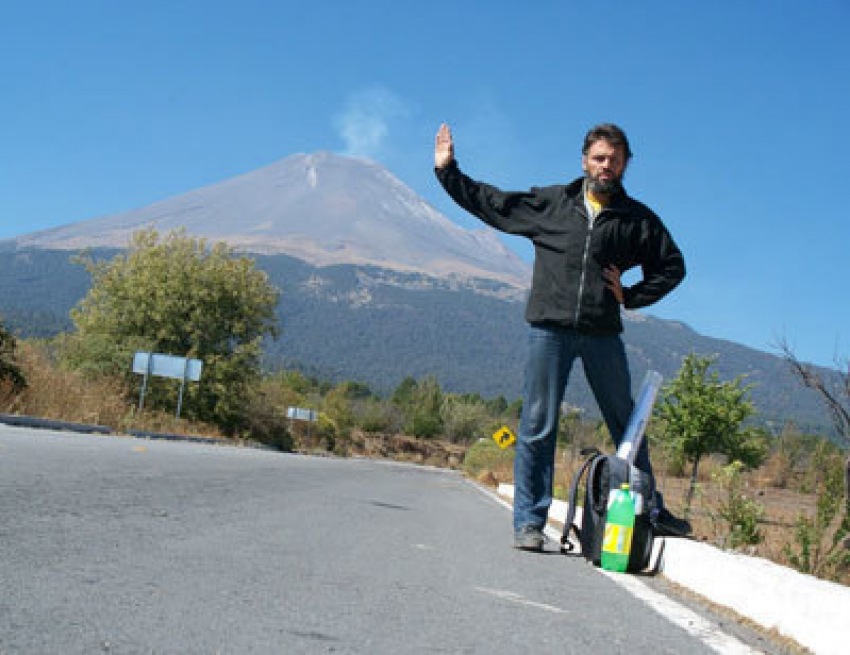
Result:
[{"x": 131, "y": 546}]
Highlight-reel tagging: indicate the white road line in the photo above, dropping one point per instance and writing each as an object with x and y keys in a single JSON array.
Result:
[
  {"x": 694, "y": 624},
  {"x": 491, "y": 495},
  {"x": 691, "y": 622},
  {"x": 516, "y": 598}
]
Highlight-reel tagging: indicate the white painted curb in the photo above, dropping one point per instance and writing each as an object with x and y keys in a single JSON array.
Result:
[
  {"x": 811, "y": 611},
  {"x": 557, "y": 511}
]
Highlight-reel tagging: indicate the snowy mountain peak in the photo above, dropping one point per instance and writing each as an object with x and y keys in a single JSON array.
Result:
[{"x": 323, "y": 208}]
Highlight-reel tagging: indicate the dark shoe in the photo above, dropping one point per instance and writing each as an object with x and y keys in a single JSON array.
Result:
[
  {"x": 667, "y": 525},
  {"x": 529, "y": 538}
]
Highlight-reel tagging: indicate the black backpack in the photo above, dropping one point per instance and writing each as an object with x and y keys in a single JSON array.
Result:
[{"x": 604, "y": 473}]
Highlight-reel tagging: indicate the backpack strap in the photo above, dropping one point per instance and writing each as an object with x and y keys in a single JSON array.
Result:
[{"x": 569, "y": 524}]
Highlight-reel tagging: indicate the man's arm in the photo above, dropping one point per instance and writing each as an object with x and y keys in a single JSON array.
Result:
[
  {"x": 663, "y": 269},
  {"x": 511, "y": 212}
]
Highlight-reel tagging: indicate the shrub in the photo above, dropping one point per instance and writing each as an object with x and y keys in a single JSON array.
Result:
[
  {"x": 10, "y": 373},
  {"x": 739, "y": 511},
  {"x": 57, "y": 393},
  {"x": 266, "y": 420},
  {"x": 375, "y": 416},
  {"x": 466, "y": 421},
  {"x": 820, "y": 546},
  {"x": 484, "y": 455}
]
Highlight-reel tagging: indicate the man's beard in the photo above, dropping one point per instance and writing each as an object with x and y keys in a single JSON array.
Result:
[{"x": 609, "y": 187}]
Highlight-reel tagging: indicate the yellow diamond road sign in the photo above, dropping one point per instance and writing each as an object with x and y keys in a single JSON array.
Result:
[{"x": 504, "y": 437}]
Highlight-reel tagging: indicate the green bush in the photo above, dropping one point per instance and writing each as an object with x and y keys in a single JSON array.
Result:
[
  {"x": 266, "y": 422},
  {"x": 740, "y": 513},
  {"x": 465, "y": 421},
  {"x": 485, "y": 455},
  {"x": 376, "y": 416},
  {"x": 819, "y": 544},
  {"x": 10, "y": 372}
]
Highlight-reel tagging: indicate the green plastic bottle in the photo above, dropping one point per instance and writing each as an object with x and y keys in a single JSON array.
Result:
[{"x": 617, "y": 542}]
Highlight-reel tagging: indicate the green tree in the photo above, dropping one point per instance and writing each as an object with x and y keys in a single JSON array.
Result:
[
  {"x": 404, "y": 392},
  {"x": 10, "y": 372},
  {"x": 497, "y": 406},
  {"x": 337, "y": 406},
  {"x": 178, "y": 295},
  {"x": 425, "y": 418},
  {"x": 466, "y": 418},
  {"x": 375, "y": 415},
  {"x": 514, "y": 410},
  {"x": 353, "y": 390},
  {"x": 297, "y": 382},
  {"x": 702, "y": 415}
]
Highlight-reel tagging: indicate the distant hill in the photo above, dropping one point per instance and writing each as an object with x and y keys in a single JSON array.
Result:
[{"x": 379, "y": 325}]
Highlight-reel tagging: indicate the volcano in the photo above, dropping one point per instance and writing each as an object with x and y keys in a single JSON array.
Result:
[{"x": 323, "y": 208}]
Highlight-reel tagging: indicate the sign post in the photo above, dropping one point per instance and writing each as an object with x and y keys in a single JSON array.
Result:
[
  {"x": 310, "y": 416},
  {"x": 144, "y": 380},
  {"x": 182, "y": 386},
  {"x": 168, "y": 366}
]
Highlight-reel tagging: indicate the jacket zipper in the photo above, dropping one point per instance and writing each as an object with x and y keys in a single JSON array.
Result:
[{"x": 584, "y": 268}]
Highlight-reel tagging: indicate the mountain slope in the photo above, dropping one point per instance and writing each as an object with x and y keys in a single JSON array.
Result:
[{"x": 322, "y": 208}]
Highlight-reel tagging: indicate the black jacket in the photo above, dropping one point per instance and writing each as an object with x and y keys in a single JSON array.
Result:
[{"x": 568, "y": 288}]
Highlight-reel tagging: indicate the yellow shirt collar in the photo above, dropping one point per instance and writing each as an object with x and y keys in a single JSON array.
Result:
[{"x": 595, "y": 202}]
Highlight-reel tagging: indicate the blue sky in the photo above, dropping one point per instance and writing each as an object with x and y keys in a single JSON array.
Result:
[{"x": 737, "y": 114}]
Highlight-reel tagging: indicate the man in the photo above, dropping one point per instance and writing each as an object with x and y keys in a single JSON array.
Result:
[{"x": 585, "y": 235}]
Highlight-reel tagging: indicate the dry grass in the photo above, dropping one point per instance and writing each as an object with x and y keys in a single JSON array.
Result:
[
  {"x": 62, "y": 395},
  {"x": 429, "y": 452},
  {"x": 781, "y": 509},
  {"x": 56, "y": 393}
]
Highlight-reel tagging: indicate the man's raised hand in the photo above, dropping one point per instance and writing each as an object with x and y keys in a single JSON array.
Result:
[{"x": 444, "y": 150}]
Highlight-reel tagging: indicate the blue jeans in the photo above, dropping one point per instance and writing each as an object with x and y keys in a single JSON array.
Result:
[{"x": 551, "y": 353}]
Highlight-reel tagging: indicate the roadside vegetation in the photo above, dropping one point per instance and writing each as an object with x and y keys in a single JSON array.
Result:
[{"x": 781, "y": 494}]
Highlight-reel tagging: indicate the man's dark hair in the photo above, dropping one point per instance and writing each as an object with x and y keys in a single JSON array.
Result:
[{"x": 612, "y": 134}]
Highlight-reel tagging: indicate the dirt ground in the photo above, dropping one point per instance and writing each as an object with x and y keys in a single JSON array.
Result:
[
  {"x": 428, "y": 452},
  {"x": 782, "y": 507}
]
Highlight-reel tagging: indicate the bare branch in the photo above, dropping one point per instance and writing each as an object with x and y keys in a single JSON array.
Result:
[
  {"x": 810, "y": 378},
  {"x": 840, "y": 412}
]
